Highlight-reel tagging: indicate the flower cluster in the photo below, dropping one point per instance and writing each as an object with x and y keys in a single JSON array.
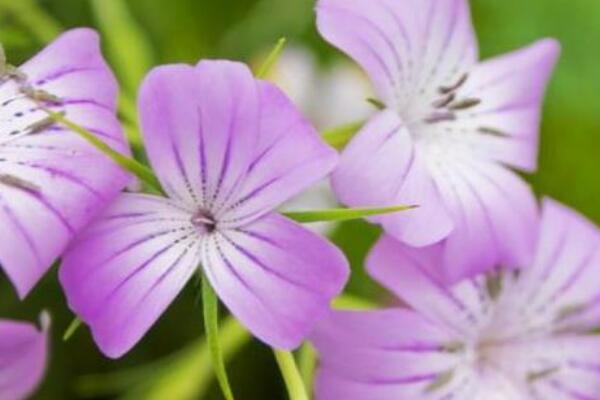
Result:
[{"x": 500, "y": 296}]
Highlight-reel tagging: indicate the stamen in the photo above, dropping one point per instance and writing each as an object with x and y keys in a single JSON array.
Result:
[
  {"x": 378, "y": 104},
  {"x": 204, "y": 221},
  {"x": 569, "y": 310},
  {"x": 452, "y": 88},
  {"x": 18, "y": 183},
  {"x": 440, "y": 117},
  {"x": 15, "y": 73},
  {"x": 453, "y": 347},
  {"x": 493, "y": 285},
  {"x": 535, "y": 376},
  {"x": 442, "y": 380},
  {"x": 42, "y": 124},
  {"x": 464, "y": 104},
  {"x": 40, "y": 95},
  {"x": 492, "y": 131},
  {"x": 444, "y": 101}
]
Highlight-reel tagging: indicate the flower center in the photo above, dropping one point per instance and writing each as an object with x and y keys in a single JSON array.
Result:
[{"x": 204, "y": 222}]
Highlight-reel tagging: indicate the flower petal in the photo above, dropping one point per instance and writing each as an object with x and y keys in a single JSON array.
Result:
[
  {"x": 290, "y": 156},
  {"x": 406, "y": 46},
  {"x": 23, "y": 354},
  {"x": 495, "y": 216},
  {"x": 505, "y": 126},
  {"x": 386, "y": 354},
  {"x": 275, "y": 276},
  {"x": 563, "y": 283},
  {"x": 200, "y": 126},
  {"x": 380, "y": 167},
  {"x": 52, "y": 180},
  {"x": 409, "y": 273},
  {"x": 128, "y": 266}
]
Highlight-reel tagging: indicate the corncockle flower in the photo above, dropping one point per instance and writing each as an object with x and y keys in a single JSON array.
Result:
[
  {"x": 227, "y": 149},
  {"x": 509, "y": 335},
  {"x": 23, "y": 353},
  {"x": 450, "y": 129},
  {"x": 51, "y": 181}
]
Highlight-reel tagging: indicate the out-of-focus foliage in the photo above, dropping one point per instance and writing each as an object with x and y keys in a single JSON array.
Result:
[{"x": 140, "y": 33}]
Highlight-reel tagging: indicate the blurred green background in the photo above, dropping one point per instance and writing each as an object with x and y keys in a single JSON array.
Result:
[{"x": 141, "y": 33}]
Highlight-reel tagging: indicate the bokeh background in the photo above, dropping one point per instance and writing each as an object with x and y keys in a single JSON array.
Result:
[{"x": 138, "y": 34}]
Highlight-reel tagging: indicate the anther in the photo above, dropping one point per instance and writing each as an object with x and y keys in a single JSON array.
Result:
[
  {"x": 440, "y": 117},
  {"x": 40, "y": 95},
  {"x": 18, "y": 183},
  {"x": 204, "y": 221},
  {"x": 440, "y": 381},
  {"x": 464, "y": 104},
  {"x": 444, "y": 101},
  {"x": 452, "y": 88},
  {"x": 492, "y": 131}
]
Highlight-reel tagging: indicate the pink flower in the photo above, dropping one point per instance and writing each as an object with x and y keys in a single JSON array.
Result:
[
  {"x": 228, "y": 150},
  {"x": 508, "y": 335},
  {"x": 51, "y": 181},
  {"x": 23, "y": 353},
  {"x": 451, "y": 129}
]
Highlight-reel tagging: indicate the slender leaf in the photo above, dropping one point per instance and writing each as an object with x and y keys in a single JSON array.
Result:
[
  {"x": 210, "y": 306},
  {"x": 350, "y": 302},
  {"x": 342, "y": 214},
  {"x": 291, "y": 375},
  {"x": 271, "y": 59},
  {"x": 29, "y": 14},
  {"x": 339, "y": 137},
  {"x": 129, "y": 51},
  {"x": 307, "y": 363},
  {"x": 71, "y": 329},
  {"x": 144, "y": 173}
]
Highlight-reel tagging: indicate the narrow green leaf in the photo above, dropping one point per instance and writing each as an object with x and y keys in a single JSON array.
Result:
[
  {"x": 128, "y": 164},
  {"x": 307, "y": 363},
  {"x": 341, "y": 214},
  {"x": 271, "y": 59},
  {"x": 291, "y": 375},
  {"x": 128, "y": 49},
  {"x": 350, "y": 302},
  {"x": 71, "y": 329},
  {"x": 210, "y": 305},
  {"x": 29, "y": 14},
  {"x": 339, "y": 137},
  {"x": 185, "y": 374}
]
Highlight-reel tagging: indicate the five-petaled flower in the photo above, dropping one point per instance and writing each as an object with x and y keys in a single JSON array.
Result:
[
  {"x": 508, "y": 335},
  {"x": 227, "y": 149},
  {"x": 52, "y": 182},
  {"x": 23, "y": 353},
  {"x": 449, "y": 131}
]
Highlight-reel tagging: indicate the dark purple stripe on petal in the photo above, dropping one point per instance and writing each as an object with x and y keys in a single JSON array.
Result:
[
  {"x": 142, "y": 266},
  {"x": 254, "y": 259},
  {"x": 21, "y": 228},
  {"x": 64, "y": 72}
]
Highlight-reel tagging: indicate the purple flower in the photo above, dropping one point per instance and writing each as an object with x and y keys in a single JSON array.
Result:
[
  {"x": 449, "y": 132},
  {"x": 509, "y": 335},
  {"x": 228, "y": 149},
  {"x": 51, "y": 181},
  {"x": 23, "y": 352}
]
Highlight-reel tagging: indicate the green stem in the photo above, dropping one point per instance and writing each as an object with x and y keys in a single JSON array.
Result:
[
  {"x": 73, "y": 326},
  {"x": 307, "y": 362},
  {"x": 291, "y": 375},
  {"x": 33, "y": 17},
  {"x": 210, "y": 306},
  {"x": 138, "y": 169},
  {"x": 339, "y": 136},
  {"x": 271, "y": 59}
]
